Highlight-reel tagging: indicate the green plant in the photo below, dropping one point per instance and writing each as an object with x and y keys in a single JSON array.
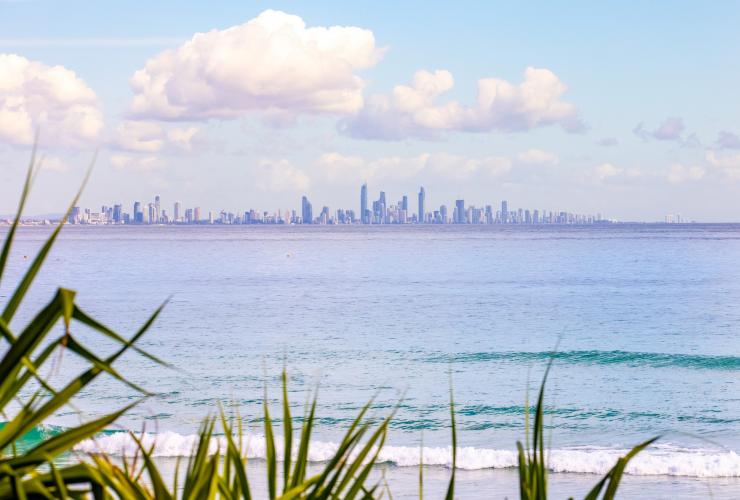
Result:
[
  {"x": 32, "y": 472},
  {"x": 532, "y": 465}
]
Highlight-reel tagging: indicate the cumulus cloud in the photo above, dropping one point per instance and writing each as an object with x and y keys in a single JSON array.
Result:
[
  {"x": 280, "y": 176},
  {"x": 727, "y": 140},
  {"x": 608, "y": 173},
  {"x": 413, "y": 110},
  {"x": 273, "y": 63},
  {"x": 52, "y": 99},
  {"x": 150, "y": 137},
  {"x": 538, "y": 157},
  {"x": 55, "y": 164},
  {"x": 140, "y": 163}
]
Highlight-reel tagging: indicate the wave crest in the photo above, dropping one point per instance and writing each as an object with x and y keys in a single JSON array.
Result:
[
  {"x": 637, "y": 359},
  {"x": 662, "y": 460}
]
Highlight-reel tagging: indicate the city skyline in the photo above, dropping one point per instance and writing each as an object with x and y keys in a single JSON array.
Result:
[{"x": 382, "y": 212}]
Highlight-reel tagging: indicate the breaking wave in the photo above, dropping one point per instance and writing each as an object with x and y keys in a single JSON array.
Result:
[{"x": 663, "y": 460}]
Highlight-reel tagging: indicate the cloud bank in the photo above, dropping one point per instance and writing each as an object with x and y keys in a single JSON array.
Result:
[{"x": 413, "y": 110}]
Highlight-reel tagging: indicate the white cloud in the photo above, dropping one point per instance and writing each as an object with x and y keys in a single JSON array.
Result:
[
  {"x": 55, "y": 164},
  {"x": 150, "y": 137},
  {"x": 135, "y": 162},
  {"x": 337, "y": 168},
  {"x": 279, "y": 176},
  {"x": 52, "y": 99},
  {"x": 413, "y": 111},
  {"x": 273, "y": 63},
  {"x": 538, "y": 157},
  {"x": 608, "y": 173},
  {"x": 726, "y": 163},
  {"x": 145, "y": 137},
  {"x": 678, "y": 173},
  {"x": 183, "y": 138}
]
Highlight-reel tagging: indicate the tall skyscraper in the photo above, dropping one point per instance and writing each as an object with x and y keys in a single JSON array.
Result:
[
  {"x": 381, "y": 212},
  {"x": 117, "y": 215},
  {"x": 422, "y": 195},
  {"x": 504, "y": 212},
  {"x": 364, "y": 216},
  {"x": 460, "y": 212},
  {"x": 177, "y": 211},
  {"x": 138, "y": 214},
  {"x": 157, "y": 210},
  {"x": 306, "y": 211},
  {"x": 405, "y": 203},
  {"x": 196, "y": 214},
  {"x": 74, "y": 215}
]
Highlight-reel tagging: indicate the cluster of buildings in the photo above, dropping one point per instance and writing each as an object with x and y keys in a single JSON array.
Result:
[{"x": 379, "y": 211}]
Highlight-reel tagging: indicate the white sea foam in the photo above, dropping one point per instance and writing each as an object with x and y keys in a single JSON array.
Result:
[{"x": 659, "y": 460}]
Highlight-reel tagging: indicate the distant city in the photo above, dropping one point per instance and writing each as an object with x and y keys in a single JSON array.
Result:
[{"x": 377, "y": 212}]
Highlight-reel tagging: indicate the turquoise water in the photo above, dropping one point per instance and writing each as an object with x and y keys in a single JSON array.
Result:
[{"x": 645, "y": 319}]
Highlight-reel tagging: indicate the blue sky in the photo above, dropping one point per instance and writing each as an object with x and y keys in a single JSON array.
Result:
[{"x": 258, "y": 133}]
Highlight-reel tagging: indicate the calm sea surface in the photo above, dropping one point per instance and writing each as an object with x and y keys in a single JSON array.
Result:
[{"x": 645, "y": 318}]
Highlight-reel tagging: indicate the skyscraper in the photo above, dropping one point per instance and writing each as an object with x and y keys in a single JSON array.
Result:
[
  {"x": 504, "y": 212},
  {"x": 306, "y": 211},
  {"x": 461, "y": 216},
  {"x": 380, "y": 215},
  {"x": 405, "y": 203},
  {"x": 177, "y": 211},
  {"x": 138, "y": 214},
  {"x": 422, "y": 195},
  {"x": 364, "y": 217},
  {"x": 117, "y": 216},
  {"x": 157, "y": 211}
]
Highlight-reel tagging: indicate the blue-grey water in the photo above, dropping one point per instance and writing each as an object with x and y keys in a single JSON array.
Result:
[{"x": 645, "y": 319}]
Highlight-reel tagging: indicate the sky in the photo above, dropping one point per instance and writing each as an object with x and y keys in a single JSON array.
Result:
[{"x": 628, "y": 109}]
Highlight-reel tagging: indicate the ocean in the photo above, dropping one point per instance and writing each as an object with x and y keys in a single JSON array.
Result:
[{"x": 643, "y": 323}]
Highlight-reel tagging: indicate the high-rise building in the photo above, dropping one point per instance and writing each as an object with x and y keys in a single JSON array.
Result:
[
  {"x": 460, "y": 215},
  {"x": 157, "y": 210},
  {"x": 116, "y": 215},
  {"x": 74, "y": 215},
  {"x": 422, "y": 195},
  {"x": 152, "y": 214},
  {"x": 443, "y": 213},
  {"x": 196, "y": 215},
  {"x": 504, "y": 212},
  {"x": 138, "y": 216},
  {"x": 405, "y": 203},
  {"x": 380, "y": 212},
  {"x": 325, "y": 217},
  {"x": 306, "y": 211},
  {"x": 363, "y": 205},
  {"x": 177, "y": 211}
]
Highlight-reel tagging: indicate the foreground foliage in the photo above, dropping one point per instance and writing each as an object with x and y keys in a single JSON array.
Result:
[{"x": 29, "y": 396}]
